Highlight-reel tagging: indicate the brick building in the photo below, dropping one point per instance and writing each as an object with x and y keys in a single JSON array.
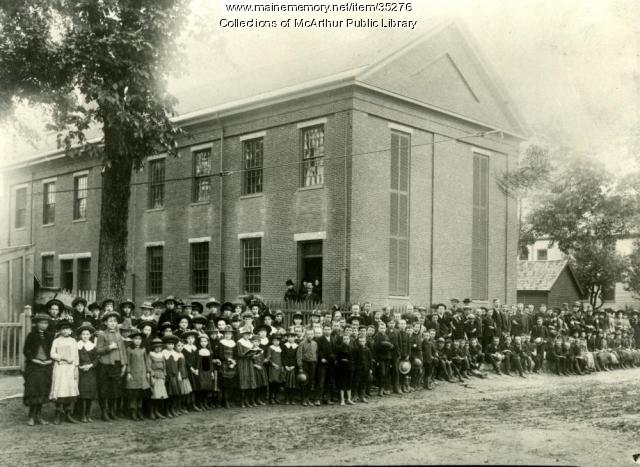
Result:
[{"x": 371, "y": 172}]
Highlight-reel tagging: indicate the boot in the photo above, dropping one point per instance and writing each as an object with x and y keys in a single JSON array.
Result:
[
  {"x": 87, "y": 410},
  {"x": 349, "y": 401},
  {"x": 59, "y": 417},
  {"x": 83, "y": 412},
  {"x": 157, "y": 412},
  {"x": 31, "y": 420},
  {"x": 112, "y": 410},
  {"x": 105, "y": 413},
  {"x": 69, "y": 418},
  {"x": 380, "y": 392}
]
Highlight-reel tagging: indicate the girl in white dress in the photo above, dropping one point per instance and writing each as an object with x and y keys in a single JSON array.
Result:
[{"x": 64, "y": 382}]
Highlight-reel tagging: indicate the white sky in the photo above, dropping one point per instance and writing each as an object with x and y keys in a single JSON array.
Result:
[{"x": 571, "y": 66}]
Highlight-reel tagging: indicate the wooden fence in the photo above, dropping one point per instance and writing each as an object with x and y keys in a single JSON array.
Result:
[{"x": 12, "y": 337}]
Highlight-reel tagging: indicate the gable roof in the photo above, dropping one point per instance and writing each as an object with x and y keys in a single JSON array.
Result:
[
  {"x": 238, "y": 86},
  {"x": 542, "y": 275}
]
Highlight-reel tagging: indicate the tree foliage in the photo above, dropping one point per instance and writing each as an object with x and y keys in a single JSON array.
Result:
[
  {"x": 585, "y": 212},
  {"x": 99, "y": 66},
  {"x": 632, "y": 274}
]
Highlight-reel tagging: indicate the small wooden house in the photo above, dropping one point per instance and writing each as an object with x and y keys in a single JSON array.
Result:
[{"x": 548, "y": 282}]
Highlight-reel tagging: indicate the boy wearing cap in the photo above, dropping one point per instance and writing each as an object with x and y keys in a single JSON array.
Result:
[
  {"x": 170, "y": 313},
  {"x": 112, "y": 353},
  {"x": 307, "y": 358},
  {"x": 325, "y": 365},
  {"x": 289, "y": 359}
]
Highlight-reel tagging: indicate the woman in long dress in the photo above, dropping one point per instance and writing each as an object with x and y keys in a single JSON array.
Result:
[
  {"x": 38, "y": 365},
  {"x": 64, "y": 381}
]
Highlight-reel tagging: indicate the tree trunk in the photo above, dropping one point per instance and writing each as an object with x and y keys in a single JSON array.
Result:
[{"x": 114, "y": 219}]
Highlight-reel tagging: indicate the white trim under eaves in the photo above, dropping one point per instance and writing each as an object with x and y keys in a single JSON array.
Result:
[
  {"x": 47, "y": 253},
  {"x": 49, "y": 180},
  {"x": 80, "y": 173},
  {"x": 242, "y": 236},
  {"x": 438, "y": 109}
]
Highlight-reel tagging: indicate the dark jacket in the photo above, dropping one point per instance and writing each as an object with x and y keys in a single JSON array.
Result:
[
  {"x": 404, "y": 343},
  {"x": 33, "y": 341},
  {"x": 325, "y": 349},
  {"x": 362, "y": 361},
  {"x": 381, "y": 348},
  {"x": 427, "y": 351}
]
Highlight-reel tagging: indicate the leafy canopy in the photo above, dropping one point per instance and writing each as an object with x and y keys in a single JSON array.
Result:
[
  {"x": 585, "y": 212},
  {"x": 94, "y": 63}
]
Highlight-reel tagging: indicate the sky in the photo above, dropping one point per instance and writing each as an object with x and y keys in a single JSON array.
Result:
[{"x": 572, "y": 67}]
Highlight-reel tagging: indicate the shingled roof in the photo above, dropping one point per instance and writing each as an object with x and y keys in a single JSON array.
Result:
[{"x": 542, "y": 275}]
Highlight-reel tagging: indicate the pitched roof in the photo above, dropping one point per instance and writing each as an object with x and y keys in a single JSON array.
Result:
[
  {"x": 542, "y": 275},
  {"x": 224, "y": 83}
]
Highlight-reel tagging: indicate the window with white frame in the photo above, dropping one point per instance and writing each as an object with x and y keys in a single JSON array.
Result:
[
  {"x": 156, "y": 184},
  {"x": 47, "y": 270},
  {"x": 80, "y": 197},
  {"x": 49, "y": 203},
  {"x": 252, "y": 164},
  {"x": 201, "y": 175},
  {"x": 313, "y": 155},
  {"x": 20, "y": 213},
  {"x": 252, "y": 264}
]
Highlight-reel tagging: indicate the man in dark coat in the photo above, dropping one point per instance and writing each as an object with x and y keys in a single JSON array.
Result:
[
  {"x": 325, "y": 363},
  {"x": 170, "y": 313},
  {"x": 290, "y": 295}
]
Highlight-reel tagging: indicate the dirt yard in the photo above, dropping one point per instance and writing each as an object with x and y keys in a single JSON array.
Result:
[{"x": 589, "y": 420}]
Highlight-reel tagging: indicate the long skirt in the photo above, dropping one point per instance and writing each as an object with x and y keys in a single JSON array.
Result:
[
  {"x": 290, "y": 379},
  {"x": 173, "y": 388},
  {"x": 88, "y": 384},
  {"x": 261, "y": 376},
  {"x": 37, "y": 384},
  {"x": 63, "y": 382},
  {"x": 591, "y": 364},
  {"x": 110, "y": 381},
  {"x": 204, "y": 380},
  {"x": 185, "y": 386},
  {"x": 158, "y": 388},
  {"x": 246, "y": 374},
  {"x": 276, "y": 374}
]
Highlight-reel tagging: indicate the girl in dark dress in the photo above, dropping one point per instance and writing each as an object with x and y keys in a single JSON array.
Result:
[
  {"x": 289, "y": 359},
  {"x": 229, "y": 367},
  {"x": 190, "y": 353},
  {"x": 204, "y": 376},
  {"x": 344, "y": 368},
  {"x": 87, "y": 382},
  {"x": 38, "y": 368},
  {"x": 171, "y": 366}
]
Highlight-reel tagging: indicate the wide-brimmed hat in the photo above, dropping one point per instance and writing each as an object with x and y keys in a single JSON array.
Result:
[
  {"x": 245, "y": 330},
  {"x": 55, "y": 301},
  {"x": 190, "y": 332},
  {"x": 197, "y": 306},
  {"x": 170, "y": 298},
  {"x": 165, "y": 325},
  {"x": 40, "y": 317},
  {"x": 135, "y": 333},
  {"x": 86, "y": 326},
  {"x": 64, "y": 324},
  {"x": 78, "y": 300},
  {"x": 157, "y": 303},
  {"x": 93, "y": 306},
  {"x": 127, "y": 301},
  {"x": 156, "y": 342},
  {"x": 227, "y": 306},
  {"x": 199, "y": 319},
  {"x": 105, "y": 301},
  {"x": 147, "y": 322},
  {"x": 146, "y": 305},
  {"x": 111, "y": 314},
  {"x": 212, "y": 302},
  {"x": 170, "y": 339}
]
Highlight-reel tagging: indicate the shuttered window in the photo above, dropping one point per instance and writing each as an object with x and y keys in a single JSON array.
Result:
[
  {"x": 49, "y": 203},
  {"x": 200, "y": 268},
  {"x": 201, "y": 175},
  {"x": 47, "y": 271},
  {"x": 252, "y": 164},
  {"x": 399, "y": 214},
  {"x": 252, "y": 264},
  {"x": 154, "y": 270},
  {"x": 80, "y": 197},
  {"x": 156, "y": 184},
  {"x": 480, "y": 230}
]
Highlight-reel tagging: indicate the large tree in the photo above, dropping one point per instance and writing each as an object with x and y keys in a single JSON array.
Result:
[
  {"x": 97, "y": 64},
  {"x": 585, "y": 212}
]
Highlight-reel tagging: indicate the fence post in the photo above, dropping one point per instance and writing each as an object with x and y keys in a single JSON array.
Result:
[{"x": 25, "y": 320}]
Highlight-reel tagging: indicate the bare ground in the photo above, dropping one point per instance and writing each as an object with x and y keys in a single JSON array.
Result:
[{"x": 545, "y": 419}]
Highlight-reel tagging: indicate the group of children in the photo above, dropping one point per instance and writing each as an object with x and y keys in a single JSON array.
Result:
[{"x": 177, "y": 357}]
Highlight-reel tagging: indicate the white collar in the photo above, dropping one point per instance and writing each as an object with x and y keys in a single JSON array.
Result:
[
  {"x": 204, "y": 352},
  {"x": 86, "y": 345},
  {"x": 228, "y": 342},
  {"x": 246, "y": 343},
  {"x": 289, "y": 345},
  {"x": 189, "y": 347},
  {"x": 275, "y": 348}
]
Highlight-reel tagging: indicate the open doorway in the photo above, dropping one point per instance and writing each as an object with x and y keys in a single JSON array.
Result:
[{"x": 310, "y": 265}]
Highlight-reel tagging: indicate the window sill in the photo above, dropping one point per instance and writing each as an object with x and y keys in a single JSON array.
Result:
[
  {"x": 197, "y": 203},
  {"x": 155, "y": 209},
  {"x": 18, "y": 229},
  {"x": 75, "y": 221},
  {"x": 253, "y": 195},
  {"x": 49, "y": 225},
  {"x": 198, "y": 296},
  {"x": 313, "y": 187},
  {"x": 399, "y": 297}
]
